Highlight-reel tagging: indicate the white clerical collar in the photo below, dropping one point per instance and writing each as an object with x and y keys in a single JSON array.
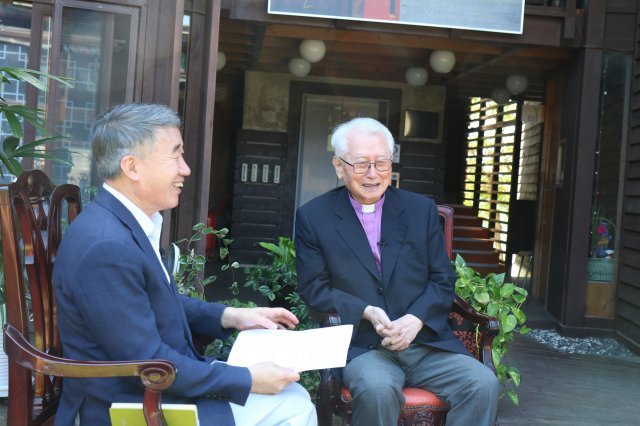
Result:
[{"x": 368, "y": 208}]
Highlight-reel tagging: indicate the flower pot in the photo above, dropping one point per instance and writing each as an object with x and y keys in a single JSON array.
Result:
[{"x": 599, "y": 269}]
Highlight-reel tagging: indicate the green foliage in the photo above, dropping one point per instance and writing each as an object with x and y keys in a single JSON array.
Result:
[
  {"x": 492, "y": 296},
  {"x": 221, "y": 348},
  {"x": 278, "y": 282},
  {"x": 11, "y": 151},
  {"x": 190, "y": 277},
  {"x": 279, "y": 279}
]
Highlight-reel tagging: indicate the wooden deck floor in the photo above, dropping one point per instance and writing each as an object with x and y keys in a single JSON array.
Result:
[{"x": 569, "y": 389}]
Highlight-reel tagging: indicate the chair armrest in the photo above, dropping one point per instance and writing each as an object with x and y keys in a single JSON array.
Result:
[
  {"x": 329, "y": 319},
  {"x": 156, "y": 375},
  {"x": 488, "y": 328}
]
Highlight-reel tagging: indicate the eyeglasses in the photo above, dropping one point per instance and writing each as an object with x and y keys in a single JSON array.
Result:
[{"x": 362, "y": 167}]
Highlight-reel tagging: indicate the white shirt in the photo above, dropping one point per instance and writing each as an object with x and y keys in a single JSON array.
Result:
[{"x": 151, "y": 226}]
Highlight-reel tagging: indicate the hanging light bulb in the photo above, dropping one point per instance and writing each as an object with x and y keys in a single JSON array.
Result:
[
  {"x": 312, "y": 50},
  {"x": 299, "y": 67},
  {"x": 221, "y": 61},
  {"x": 416, "y": 76},
  {"x": 517, "y": 83},
  {"x": 442, "y": 61}
]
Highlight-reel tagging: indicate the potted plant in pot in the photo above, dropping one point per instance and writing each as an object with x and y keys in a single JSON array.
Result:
[{"x": 491, "y": 295}]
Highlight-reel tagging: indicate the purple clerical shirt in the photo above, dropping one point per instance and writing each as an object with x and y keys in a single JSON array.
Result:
[{"x": 370, "y": 216}]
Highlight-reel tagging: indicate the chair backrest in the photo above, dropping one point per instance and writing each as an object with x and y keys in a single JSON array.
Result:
[
  {"x": 446, "y": 215},
  {"x": 33, "y": 212}
]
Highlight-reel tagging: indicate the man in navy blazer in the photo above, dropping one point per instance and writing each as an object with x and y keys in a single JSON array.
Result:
[
  {"x": 375, "y": 255},
  {"x": 116, "y": 300}
]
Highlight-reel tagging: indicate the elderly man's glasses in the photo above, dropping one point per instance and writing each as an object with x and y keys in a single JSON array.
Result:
[{"x": 362, "y": 167}]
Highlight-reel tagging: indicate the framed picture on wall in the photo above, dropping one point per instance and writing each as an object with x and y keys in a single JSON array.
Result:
[
  {"x": 395, "y": 179},
  {"x": 421, "y": 126}
]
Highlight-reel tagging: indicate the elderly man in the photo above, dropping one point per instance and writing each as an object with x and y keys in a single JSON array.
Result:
[
  {"x": 375, "y": 255},
  {"x": 116, "y": 300}
]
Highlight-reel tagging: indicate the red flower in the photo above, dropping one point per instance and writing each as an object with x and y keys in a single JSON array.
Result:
[{"x": 602, "y": 230}]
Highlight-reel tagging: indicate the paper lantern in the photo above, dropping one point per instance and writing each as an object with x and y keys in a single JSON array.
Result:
[
  {"x": 416, "y": 76},
  {"x": 442, "y": 61},
  {"x": 500, "y": 95},
  {"x": 517, "y": 83},
  {"x": 312, "y": 50},
  {"x": 299, "y": 67}
]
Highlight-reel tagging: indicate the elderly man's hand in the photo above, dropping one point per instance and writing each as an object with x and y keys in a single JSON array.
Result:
[
  {"x": 401, "y": 332},
  {"x": 378, "y": 317},
  {"x": 270, "y": 378},
  {"x": 249, "y": 318}
]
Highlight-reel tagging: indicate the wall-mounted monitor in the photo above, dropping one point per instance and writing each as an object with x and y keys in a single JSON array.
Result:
[{"x": 421, "y": 124}]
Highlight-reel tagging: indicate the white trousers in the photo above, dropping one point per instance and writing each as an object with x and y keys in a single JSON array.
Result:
[{"x": 291, "y": 407}]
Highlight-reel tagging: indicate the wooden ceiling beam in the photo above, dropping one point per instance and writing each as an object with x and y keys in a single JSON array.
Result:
[
  {"x": 382, "y": 39},
  {"x": 482, "y": 66}
]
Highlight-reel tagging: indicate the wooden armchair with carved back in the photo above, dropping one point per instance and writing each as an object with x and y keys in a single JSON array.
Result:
[
  {"x": 421, "y": 407},
  {"x": 33, "y": 213}
]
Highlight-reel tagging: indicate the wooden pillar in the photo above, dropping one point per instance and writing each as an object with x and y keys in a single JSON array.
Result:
[
  {"x": 162, "y": 28},
  {"x": 581, "y": 189},
  {"x": 198, "y": 118},
  {"x": 586, "y": 132}
]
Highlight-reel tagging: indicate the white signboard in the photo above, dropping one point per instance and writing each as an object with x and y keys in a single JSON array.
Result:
[{"x": 502, "y": 16}]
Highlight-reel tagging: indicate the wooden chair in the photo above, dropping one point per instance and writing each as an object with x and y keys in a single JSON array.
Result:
[
  {"x": 421, "y": 406},
  {"x": 33, "y": 213}
]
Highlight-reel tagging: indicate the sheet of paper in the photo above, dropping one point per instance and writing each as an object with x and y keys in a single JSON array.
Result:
[{"x": 312, "y": 349}]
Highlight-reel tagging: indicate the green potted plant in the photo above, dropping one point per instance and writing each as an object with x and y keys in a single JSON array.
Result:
[
  {"x": 491, "y": 295},
  {"x": 278, "y": 282},
  {"x": 189, "y": 271}
]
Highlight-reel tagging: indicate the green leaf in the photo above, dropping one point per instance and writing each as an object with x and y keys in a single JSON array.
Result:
[
  {"x": 269, "y": 246},
  {"x": 519, "y": 314},
  {"x": 198, "y": 226},
  {"x": 508, "y": 324},
  {"x": 14, "y": 167},
  {"x": 10, "y": 144},
  {"x": 499, "y": 278},
  {"x": 209, "y": 280},
  {"x": 496, "y": 356},
  {"x": 482, "y": 297},
  {"x": 524, "y": 329},
  {"x": 492, "y": 308},
  {"x": 507, "y": 290},
  {"x": 513, "y": 397},
  {"x": 514, "y": 375},
  {"x": 14, "y": 123},
  {"x": 522, "y": 291},
  {"x": 519, "y": 298}
]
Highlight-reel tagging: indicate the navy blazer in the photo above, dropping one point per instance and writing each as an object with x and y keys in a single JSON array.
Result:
[
  {"x": 337, "y": 271},
  {"x": 114, "y": 302}
]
